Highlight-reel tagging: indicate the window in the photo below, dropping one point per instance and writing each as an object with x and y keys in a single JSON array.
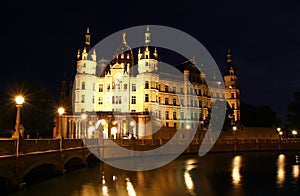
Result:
[
  {"x": 108, "y": 87},
  {"x": 181, "y": 90},
  {"x": 100, "y": 87},
  {"x": 167, "y": 115},
  {"x": 175, "y": 125},
  {"x": 82, "y": 98},
  {"x": 167, "y": 101},
  {"x": 83, "y": 85},
  {"x": 147, "y": 63},
  {"x": 167, "y": 124},
  {"x": 174, "y": 116},
  {"x": 174, "y": 101},
  {"x": 174, "y": 89},
  {"x": 181, "y": 115},
  {"x": 192, "y": 91},
  {"x": 158, "y": 99},
  {"x": 93, "y": 99},
  {"x": 113, "y": 86},
  {"x": 133, "y": 87},
  {"x": 100, "y": 100},
  {"x": 146, "y": 84},
  {"x": 133, "y": 99},
  {"x": 166, "y": 88},
  {"x": 159, "y": 114},
  {"x": 93, "y": 86},
  {"x": 146, "y": 97},
  {"x": 232, "y": 95},
  {"x": 133, "y": 110},
  {"x": 125, "y": 87},
  {"x": 117, "y": 99}
]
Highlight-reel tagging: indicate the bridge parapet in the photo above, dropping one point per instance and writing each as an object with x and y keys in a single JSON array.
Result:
[
  {"x": 37, "y": 145},
  {"x": 72, "y": 143},
  {"x": 8, "y": 147}
]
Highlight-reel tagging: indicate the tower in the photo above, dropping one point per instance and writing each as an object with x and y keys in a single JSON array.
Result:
[
  {"x": 231, "y": 87},
  {"x": 85, "y": 79}
]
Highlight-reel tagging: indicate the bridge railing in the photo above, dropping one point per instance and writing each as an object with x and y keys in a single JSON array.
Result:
[
  {"x": 7, "y": 147},
  {"x": 37, "y": 145}
]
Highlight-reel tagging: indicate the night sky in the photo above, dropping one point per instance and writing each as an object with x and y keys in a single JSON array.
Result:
[{"x": 39, "y": 41}]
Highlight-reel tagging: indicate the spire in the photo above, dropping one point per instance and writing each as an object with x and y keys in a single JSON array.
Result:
[
  {"x": 147, "y": 36},
  {"x": 124, "y": 38},
  {"x": 87, "y": 37},
  {"x": 229, "y": 59}
]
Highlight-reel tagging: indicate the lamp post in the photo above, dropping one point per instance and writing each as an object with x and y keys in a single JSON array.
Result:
[
  {"x": 60, "y": 111},
  {"x": 19, "y": 102},
  {"x": 294, "y": 132}
]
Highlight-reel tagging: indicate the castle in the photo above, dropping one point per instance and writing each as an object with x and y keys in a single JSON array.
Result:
[{"x": 132, "y": 100}]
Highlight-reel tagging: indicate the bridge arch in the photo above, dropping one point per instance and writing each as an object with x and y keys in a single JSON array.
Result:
[{"x": 73, "y": 162}]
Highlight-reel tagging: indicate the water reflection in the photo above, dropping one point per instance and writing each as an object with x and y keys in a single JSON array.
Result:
[
  {"x": 236, "y": 167},
  {"x": 129, "y": 187},
  {"x": 295, "y": 172},
  {"x": 280, "y": 170},
  {"x": 187, "y": 176}
]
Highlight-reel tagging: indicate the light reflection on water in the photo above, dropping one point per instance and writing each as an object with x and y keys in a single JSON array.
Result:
[
  {"x": 236, "y": 175},
  {"x": 280, "y": 170},
  {"x": 213, "y": 174}
]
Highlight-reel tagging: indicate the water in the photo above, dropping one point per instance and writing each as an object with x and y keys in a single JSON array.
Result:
[{"x": 264, "y": 173}]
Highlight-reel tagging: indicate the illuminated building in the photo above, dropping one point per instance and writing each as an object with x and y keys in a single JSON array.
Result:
[{"x": 146, "y": 94}]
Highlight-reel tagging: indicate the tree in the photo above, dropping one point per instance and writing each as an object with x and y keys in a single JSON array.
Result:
[
  {"x": 37, "y": 114},
  {"x": 258, "y": 116},
  {"x": 293, "y": 117}
]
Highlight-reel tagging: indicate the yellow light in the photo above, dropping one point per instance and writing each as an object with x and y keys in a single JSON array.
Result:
[
  {"x": 61, "y": 110},
  {"x": 188, "y": 127},
  {"x": 234, "y": 128},
  {"x": 278, "y": 129},
  {"x": 83, "y": 116},
  {"x": 103, "y": 122},
  {"x": 19, "y": 99},
  {"x": 294, "y": 132},
  {"x": 280, "y": 133},
  {"x": 132, "y": 123}
]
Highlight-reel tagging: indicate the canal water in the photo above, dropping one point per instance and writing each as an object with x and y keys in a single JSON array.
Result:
[{"x": 251, "y": 173}]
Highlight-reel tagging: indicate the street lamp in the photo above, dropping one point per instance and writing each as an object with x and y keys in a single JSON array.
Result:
[
  {"x": 278, "y": 129},
  {"x": 60, "y": 111},
  {"x": 19, "y": 102},
  {"x": 234, "y": 128},
  {"x": 294, "y": 132}
]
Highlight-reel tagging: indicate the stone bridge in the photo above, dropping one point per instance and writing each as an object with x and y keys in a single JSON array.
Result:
[{"x": 54, "y": 156}]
